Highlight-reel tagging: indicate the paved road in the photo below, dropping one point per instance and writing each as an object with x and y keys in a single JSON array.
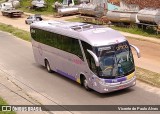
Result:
[{"x": 17, "y": 58}]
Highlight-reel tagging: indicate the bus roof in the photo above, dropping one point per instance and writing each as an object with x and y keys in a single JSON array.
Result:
[{"x": 92, "y": 34}]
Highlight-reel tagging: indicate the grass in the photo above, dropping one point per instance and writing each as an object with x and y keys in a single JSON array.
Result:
[
  {"x": 75, "y": 20},
  {"x": 147, "y": 76},
  {"x": 2, "y": 102},
  {"x": 132, "y": 30},
  {"x": 1, "y": 1},
  {"x": 15, "y": 31},
  {"x": 136, "y": 30}
]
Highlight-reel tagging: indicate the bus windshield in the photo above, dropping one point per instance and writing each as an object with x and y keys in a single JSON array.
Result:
[{"x": 115, "y": 60}]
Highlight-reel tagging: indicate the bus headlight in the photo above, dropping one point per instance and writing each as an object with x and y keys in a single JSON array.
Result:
[
  {"x": 102, "y": 82},
  {"x": 134, "y": 83}
]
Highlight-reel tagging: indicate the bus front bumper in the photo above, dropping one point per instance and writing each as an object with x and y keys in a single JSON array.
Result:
[{"x": 106, "y": 88}]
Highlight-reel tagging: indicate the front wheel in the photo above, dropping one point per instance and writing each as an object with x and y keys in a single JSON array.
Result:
[
  {"x": 48, "y": 66},
  {"x": 85, "y": 84}
]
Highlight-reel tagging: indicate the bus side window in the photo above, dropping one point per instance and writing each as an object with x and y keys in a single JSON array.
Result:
[
  {"x": 90, "y": 59},
  {"x": 33, "y": 33},
  {"x": 38, "y": 35},
  {"x": 58, "y": 41},
  {"x": 93, "y": 65},
  {"x": 75, "y": 48}
]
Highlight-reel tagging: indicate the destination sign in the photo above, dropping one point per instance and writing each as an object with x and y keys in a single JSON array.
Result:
[
  {"x": 121, "y": 47},
  {"x": 104, "y": 48}
]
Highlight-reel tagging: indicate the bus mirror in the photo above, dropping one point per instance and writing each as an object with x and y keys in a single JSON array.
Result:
[
  {"x": 95, "y": 57},
  {"x": 137, "y": 50}
]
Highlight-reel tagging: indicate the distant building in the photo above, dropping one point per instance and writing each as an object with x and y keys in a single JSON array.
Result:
[
  {"x": 128, "y": 6},
  {"x": 141, "y": 3},
  {"x": 144, "y": 3},
  {"x": 115, "y": 2}
]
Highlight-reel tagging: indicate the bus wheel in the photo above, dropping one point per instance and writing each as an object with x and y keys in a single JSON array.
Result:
[
  {"x": 85, "y": 84},
  {"x": 48, "y": 66}
]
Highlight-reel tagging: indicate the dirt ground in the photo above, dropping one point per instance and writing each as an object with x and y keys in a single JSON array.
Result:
[
  {"x": 150, "y": 55},
  {"x": 150, "y": 51},
  {"x": 16, "y": 22}
]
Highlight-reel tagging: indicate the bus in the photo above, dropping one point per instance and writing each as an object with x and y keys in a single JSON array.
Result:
[{"x": 97, "y": 57}]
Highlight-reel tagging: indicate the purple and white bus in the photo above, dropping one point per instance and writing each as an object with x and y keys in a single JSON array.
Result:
[{"x": 97, "y": 57}]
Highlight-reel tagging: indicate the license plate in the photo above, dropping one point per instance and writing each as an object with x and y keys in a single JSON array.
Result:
[{"x": 121, "y": 87}]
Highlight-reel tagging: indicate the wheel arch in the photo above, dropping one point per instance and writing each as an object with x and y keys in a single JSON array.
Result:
[
  {"x": 81, "y": 77},
  {"x": 45, "y": 60}
]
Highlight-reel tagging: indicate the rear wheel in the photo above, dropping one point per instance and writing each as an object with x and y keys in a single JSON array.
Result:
[{"x": 48, "y": 66}]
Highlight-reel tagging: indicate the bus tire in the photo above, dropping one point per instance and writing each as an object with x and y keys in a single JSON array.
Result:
[
  {"x": 84, "y": 82},
  {"x": 47, "y": 65}
]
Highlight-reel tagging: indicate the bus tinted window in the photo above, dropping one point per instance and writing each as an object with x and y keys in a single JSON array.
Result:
[
  {"x": 58, "y": 41},
  {"x": 89, "y": 58},
  {"x": 33, "y": 33}
]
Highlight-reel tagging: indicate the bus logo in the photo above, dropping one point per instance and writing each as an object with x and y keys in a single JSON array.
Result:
[{"x": 120, "y": 47}]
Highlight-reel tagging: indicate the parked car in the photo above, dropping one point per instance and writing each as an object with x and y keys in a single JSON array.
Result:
[{"x": 33, "y": 18}]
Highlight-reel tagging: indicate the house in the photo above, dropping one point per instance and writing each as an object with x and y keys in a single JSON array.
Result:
[{"x": 144, "y": 3}]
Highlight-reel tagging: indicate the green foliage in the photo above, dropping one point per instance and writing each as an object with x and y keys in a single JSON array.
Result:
[
  {"x": 1, "y": 1},
  {"x": 76, "y": 1},
  {"x": 15, "y": 31},
  {"x": 2, "y": 102}
]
